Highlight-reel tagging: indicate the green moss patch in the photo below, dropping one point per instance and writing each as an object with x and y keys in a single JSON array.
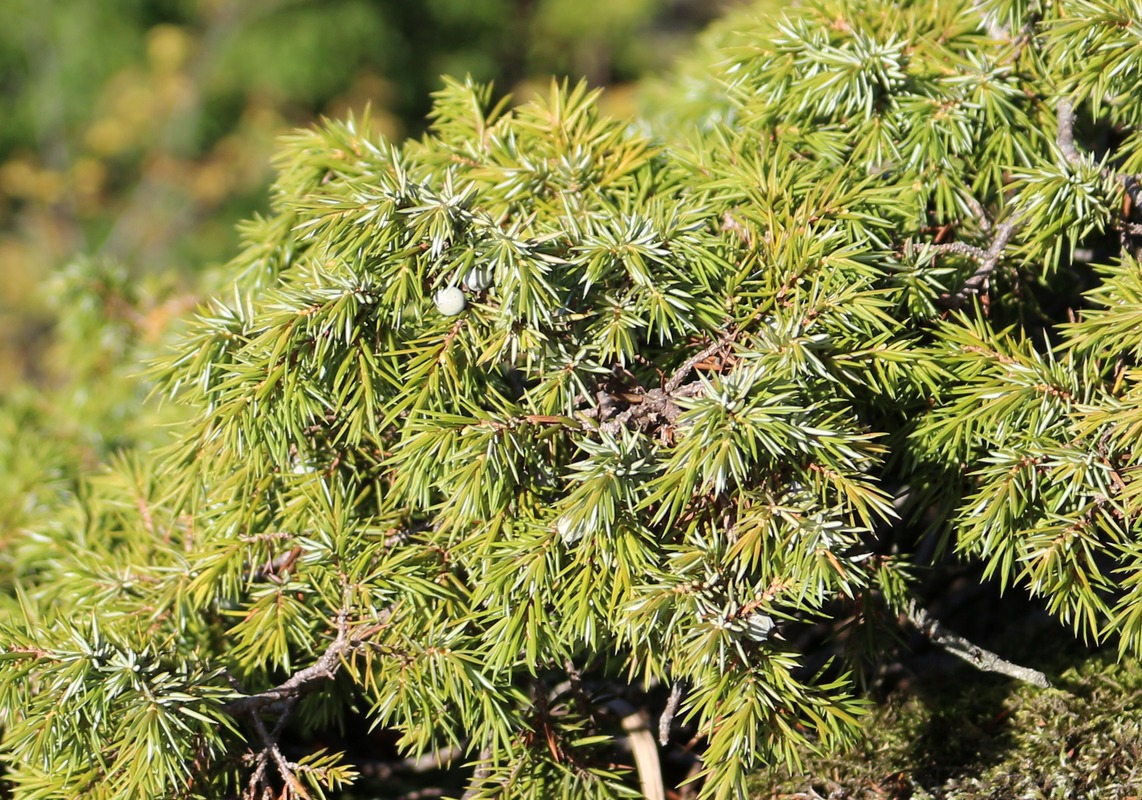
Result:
[{"x": 971, "y": 736}]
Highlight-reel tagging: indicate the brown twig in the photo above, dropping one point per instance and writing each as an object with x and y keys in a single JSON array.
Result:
[
  {"x": 278, "y": 568},
  {"x": 684, "y": 371},
  {"x": 1021, "y": 41},
  {"x": 973, "y": 654},
  {"x": 305, "y": 680},
  {"x": 987, "y": 261},
  {"x": 654, "y": 405},
  {"x": 658, "y": 404}
]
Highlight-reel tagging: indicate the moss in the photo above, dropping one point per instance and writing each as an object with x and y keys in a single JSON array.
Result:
[{"x": 973, "y": 736}]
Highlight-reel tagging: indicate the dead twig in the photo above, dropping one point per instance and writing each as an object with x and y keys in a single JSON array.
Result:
[
  {"x": 684, "y": 371},
  {"x": 657, "y": 405}
]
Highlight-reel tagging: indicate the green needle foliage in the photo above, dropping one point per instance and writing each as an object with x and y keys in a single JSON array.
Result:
[{"x": 862, "y": 290}]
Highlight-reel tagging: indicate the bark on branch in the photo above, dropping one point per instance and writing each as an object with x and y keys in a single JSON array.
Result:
[
  {"x": 282, "y": 700},
  {"x": 1065, "y": 138},
  {"x": 271, "y": 752},
  {"x": 301, "y": 682},
  {"x": 668, "y": 713},
  {"x": 675, "y": 382},
  {"x": 973, "y": 654},
  {"x": 657, "y": 405},
  {"x": 987, "y": 260}
]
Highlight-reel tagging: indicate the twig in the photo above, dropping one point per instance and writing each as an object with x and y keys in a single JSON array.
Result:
[
  {"x": 973, "y": 654},
  {"x": 676, "y": 379},
  {"x": 271, "y": 752},
  {"x": 655, "y": 403},
  {"x": 960, "y": 248},
  {"x": 980, "y": 214},
  {"x": 282, "y": 699},
  {"x": 659, "y": 403},
  {"x": 302, "y": 681},
  {"x": 278, "y": 568},
  {"x": 1065, "y": 138},
  {"x": 1022, "y": 40},
  {"x": 988, "y": 260},
  {"x": 668, "y": 713}
]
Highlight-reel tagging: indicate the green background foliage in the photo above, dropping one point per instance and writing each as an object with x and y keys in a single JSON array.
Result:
[{"x": 142, "y": 130}]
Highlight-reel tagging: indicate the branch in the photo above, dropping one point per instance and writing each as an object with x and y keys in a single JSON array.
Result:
[
  {"x": 975, "y": 655},
  {"x": 987, "y": 260},
  {"x": 960, "y": 248},
  {"x": 668, "y": 713},
  {"x": 271, "y": 752},
  {"x": 1022, "y": 40},
  {"x": 980, "y": 214},
  {"x": 1066, "y": 141},
  {"x": 676, "y": 379},
  {"x": 282, "y": 699},
  {"x": 301, "y": 682},
  {"x": 426, "y": 762},
  {"x": 481, "y": 773},
  {"x": 1065, "y": 138},
  {"x": 658, "y": 404}
]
